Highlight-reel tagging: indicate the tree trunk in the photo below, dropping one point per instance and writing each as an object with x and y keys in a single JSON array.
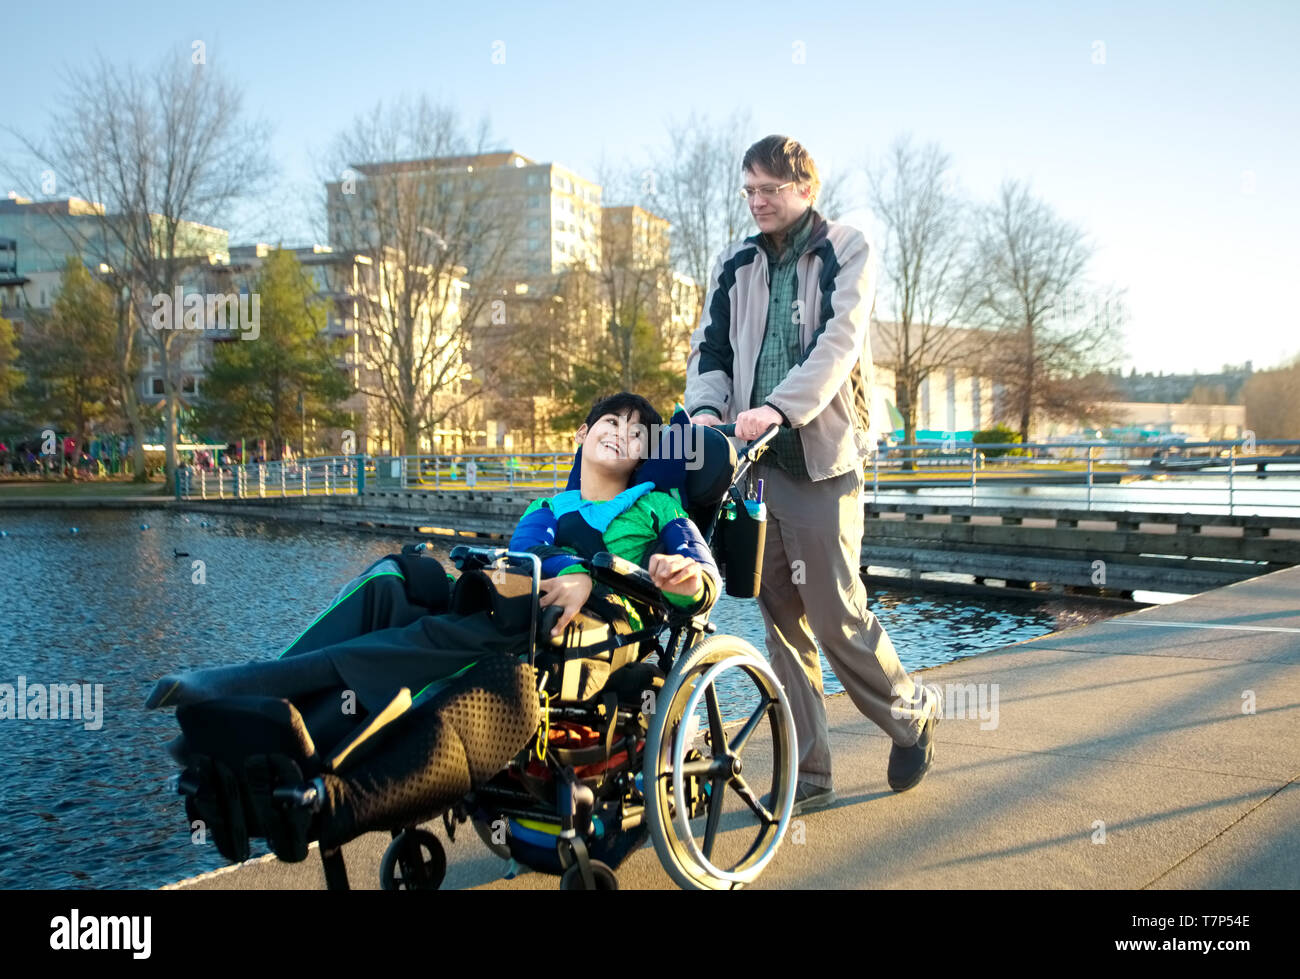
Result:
[
  {"x": 127, "y": 384},
  {"x": 907, "y": 391},
  {"x": 170, "y": 393}
]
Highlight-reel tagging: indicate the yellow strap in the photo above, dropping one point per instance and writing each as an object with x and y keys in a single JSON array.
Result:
[{"x": 544, "y": 733}]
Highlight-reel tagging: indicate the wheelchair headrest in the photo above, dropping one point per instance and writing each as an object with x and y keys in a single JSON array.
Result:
[{"x": 696, "y": 460}]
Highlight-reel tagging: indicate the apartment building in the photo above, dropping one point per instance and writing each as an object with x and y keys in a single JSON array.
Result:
[
  {"x": 45, "y": 233},
  {"x": 518, "y": 218}
]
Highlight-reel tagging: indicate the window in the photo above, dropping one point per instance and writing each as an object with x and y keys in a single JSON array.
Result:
[
  {"x": 534, "y": 180},
  {"x": 535, "y": 201},
  {"x": 188, "y": 384},
  {"x": 157, "y": 385},
  {"x": 534, "y": 224},
  {"x": 534, "y": 244}
]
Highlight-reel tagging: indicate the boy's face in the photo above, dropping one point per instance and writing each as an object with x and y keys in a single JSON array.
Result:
[{"x": 616, "y": 443}]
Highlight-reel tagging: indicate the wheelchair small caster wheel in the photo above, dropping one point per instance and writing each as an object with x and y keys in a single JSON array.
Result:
[
  {"x": 571, "y": 879},
  {"x": 414, "y": 861}
]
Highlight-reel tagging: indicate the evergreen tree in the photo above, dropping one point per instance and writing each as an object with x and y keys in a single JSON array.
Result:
[
  {"x": 254, "y": 388},
  {"x": 68, "y": 356}
]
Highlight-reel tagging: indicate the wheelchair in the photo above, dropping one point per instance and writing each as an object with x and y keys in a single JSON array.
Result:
[{"x": 562, "y": 757}]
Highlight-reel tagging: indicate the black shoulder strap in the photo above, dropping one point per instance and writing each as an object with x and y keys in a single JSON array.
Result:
[{"x": 571, "y": 530}]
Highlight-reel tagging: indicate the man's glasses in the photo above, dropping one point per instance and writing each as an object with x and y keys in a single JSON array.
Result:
[{"x": 768, "y": 191}]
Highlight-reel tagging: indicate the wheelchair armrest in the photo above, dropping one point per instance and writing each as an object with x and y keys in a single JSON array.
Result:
[
  {"x": 627, "y": 579},
  {"x": 464, "y": 556}
]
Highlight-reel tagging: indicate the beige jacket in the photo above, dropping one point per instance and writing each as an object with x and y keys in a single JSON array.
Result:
[{"x": 827, "y": 395}]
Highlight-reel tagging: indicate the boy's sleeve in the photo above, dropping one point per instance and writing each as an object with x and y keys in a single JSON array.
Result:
[
  {"x": 535, "y": 533},
  {"x": 679, "y": 535}
]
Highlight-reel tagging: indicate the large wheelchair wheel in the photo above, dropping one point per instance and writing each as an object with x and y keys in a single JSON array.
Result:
[{"x": 707, "y": 798}]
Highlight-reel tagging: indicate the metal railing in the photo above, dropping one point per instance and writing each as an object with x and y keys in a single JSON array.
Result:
[
  {"x": 323, "y": 476},
  {"x": 1203, "y": 477},
  {"x": 1232, "y": 477}
]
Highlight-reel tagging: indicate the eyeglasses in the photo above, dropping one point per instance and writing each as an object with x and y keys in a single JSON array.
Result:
[{"x": 768, "y": 191}]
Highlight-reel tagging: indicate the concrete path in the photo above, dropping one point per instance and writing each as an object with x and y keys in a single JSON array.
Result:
[{"x": 1158, "y": 749}]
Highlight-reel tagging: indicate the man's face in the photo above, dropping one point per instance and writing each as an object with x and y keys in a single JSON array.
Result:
[
  {"x": 774, "y": 214},
  {"x": 618, "y": 443}
]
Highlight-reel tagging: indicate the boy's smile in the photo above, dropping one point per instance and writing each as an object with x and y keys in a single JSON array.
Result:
[{"x": 612, "y": 447}]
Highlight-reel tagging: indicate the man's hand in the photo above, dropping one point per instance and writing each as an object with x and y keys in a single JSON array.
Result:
[
  {"x": 705, "y": 419},
  {"x": 754, "y": 422},
  {"x": 570, "y": 592},
  {"x": 676, "y": 574}
]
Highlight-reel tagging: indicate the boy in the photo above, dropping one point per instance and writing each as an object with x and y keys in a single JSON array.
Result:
[
  {"x": 393, "y": 626},
  {"x": 607, "y": 513},
  {"x": 380, "y": 636}
]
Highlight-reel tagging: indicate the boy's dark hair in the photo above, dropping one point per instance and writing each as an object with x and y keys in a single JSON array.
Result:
[
  {"x": 624, "y": 403},
  {"x": 785, "y": 158}
]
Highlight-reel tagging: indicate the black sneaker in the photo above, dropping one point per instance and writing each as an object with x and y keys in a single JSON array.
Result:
[
  {"x": 807, "y": 798},
  {"x": 907, "y": 766},
  {"x": 810, "y": 798}
]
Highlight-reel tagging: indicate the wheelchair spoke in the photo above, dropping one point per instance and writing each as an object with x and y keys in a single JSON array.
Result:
[
  {"x": 719, "y": 786},
  {"x": 745, "y": 792},
  {"x": 751, "y": 725},
  {"x": 717, "y": 736}
]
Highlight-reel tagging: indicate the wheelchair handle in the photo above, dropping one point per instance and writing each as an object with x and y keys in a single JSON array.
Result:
[{"x": 754, "y": 448}]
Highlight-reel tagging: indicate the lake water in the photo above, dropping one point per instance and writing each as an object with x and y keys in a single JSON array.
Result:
[{"x": 85, "y": 804}]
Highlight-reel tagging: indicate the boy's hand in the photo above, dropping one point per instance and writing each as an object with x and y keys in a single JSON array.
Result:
[
  {"x": 676, "y": 574},
  {"x": 570, "y": 592}
]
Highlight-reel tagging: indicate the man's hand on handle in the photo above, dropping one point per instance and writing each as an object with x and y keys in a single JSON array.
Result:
[{"x": 754, "y": 422}]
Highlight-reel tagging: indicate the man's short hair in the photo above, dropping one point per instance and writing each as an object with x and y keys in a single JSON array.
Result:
[
  {"x": 624, "y": 403},
  {"x": 785, "y": 158}
]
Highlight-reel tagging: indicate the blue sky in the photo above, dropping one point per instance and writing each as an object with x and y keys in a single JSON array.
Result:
[{"x": 1180, "y": 154}]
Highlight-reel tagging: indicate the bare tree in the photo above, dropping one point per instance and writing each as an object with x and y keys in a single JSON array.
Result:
[
  {"x": 405, "y": 190},
  {"x": 1055, "y": 330},
  {"x": 924, "y": 268},
  {"x": 694, "y": 183},
  {"x": 163, "y": 155},
  {"x": 835, "y": 198}
]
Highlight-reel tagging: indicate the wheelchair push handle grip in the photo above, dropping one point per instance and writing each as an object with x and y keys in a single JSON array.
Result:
[{"x": 729, "y": 430}]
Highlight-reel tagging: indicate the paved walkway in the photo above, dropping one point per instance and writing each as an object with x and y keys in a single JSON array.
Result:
[{"x": 1175, "y": 729}]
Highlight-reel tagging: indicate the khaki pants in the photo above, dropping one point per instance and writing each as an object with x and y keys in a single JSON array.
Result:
[{"x": 812, "y": 587}]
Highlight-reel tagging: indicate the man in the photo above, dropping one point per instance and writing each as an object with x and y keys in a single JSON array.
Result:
[{"x": 784, "y": 340}]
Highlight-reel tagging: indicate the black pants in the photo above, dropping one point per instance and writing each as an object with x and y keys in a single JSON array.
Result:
[{"x": 372, "y": 641}]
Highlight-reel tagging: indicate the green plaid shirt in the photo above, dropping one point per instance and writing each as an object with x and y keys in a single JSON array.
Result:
[{"x": 782, "y": 348}]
